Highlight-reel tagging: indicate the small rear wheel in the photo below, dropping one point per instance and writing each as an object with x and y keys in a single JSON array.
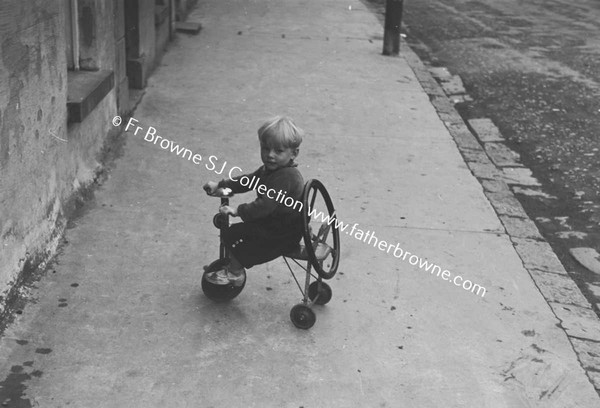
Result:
[
  {"x": 220, "y": 293},
  {"x": 302, "y": 316},
  {"x": 322, "y": 290}
]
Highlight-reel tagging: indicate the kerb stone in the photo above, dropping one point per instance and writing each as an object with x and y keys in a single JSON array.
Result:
[
  {"x": 485, "y": 171},
  {"x": 506, "y": 204},
  {"x": 453, "y": 85},
  {"x": 519, "y": 176},
  {"x": 578, "y": 321},
  {"x": 559, "y": 288},
  {"x": 520, "y": 227},
  {"x": 538, "y": 255},
  {"x": 501, "y": 155},
  {"x": 485, "y": 130}
]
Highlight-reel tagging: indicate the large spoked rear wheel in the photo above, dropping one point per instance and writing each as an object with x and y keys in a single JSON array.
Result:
[
  {"x": 220, "y": 293},
  {"x": 321, "y": 234}
]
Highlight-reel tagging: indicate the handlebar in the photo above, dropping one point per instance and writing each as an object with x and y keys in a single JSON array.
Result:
[{"x": 222, "y": 192}]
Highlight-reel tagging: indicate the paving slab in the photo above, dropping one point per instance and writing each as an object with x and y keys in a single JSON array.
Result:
[
  {"x": 485, "y": 130},
  {"x": 485, "y": 171},
  {"x": 453, "y": 85},
  {"x": 501, "y": 155},
  {"x": 519, "y": 176},
  {"x": 475, "y": 156},
  {"x": 465, "y": 139},
  {"x": 580, "y": 322},
  {"x": 440, "y": 72},
  {"x": 506, "y": 204},
  {"x": 495, "y": 186},
  {"x": 588, "y": 257},
  {"x": 442, "y": 104},
  {"x": 520, "y": 227},
  {"x": 538, "y": 255},
  {"x": 559, "y": 288}
]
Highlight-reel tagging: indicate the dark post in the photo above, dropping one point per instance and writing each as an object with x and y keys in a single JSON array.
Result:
[{"x": 391, "y": 34}]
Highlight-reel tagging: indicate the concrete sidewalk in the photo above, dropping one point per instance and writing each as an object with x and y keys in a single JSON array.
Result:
[{"x": 121, "y": 320}]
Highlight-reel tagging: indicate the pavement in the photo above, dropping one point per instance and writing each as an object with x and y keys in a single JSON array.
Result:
[{"x": 119, "y": 320}]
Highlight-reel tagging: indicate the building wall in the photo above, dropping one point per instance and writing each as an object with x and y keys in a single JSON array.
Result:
[
  {"x": 182, "y": 8},
  {"x": 162, "y": 28},
  {"x": 44, "y": 161},
  {"x": 121, "y": 79},
  {"x": 33, "y": 87},
  {"x": 147, "y": 30},
  {"x": 145, "y": 39}
]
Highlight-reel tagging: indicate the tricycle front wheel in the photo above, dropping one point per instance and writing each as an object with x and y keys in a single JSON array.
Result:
[{"x": 220, "y": 293}]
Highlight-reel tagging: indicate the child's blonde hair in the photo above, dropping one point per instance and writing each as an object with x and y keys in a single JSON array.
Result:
[{"x": 282, "y": 130}]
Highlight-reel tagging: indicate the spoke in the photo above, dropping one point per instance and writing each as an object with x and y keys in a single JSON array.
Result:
[
  {"x": 298, "y": 263},
  {"x": 323, "y": 232}
]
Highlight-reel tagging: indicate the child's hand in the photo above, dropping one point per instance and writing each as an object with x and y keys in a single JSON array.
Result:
[
  {"x": 228, "y": 210},
  {"x": 211, "y": 187}
]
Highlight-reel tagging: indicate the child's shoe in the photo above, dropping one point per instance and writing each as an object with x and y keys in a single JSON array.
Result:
[
  {"x": 219, "y": 277},
  {"x": 225, "y": 277},
  {"x": 236, "y": 280}
]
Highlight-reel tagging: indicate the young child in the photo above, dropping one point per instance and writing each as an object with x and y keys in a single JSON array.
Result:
[{"x": 270, "y": 228}]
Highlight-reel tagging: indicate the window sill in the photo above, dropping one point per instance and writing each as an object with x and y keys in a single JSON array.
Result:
[{"x": 85, "y": 90}]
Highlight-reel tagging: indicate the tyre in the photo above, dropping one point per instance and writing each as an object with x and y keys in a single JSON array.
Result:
[
  {"x": 220, "y": 293},
  {"x": 322, "y": 249},
  {"x": 220, "y": 220},
  {"x": 302, "y": 316},
  {"x": 323, "y": 291}
]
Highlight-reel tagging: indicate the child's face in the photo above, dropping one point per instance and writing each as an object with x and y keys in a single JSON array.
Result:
[{"x": 276, "y": 156}]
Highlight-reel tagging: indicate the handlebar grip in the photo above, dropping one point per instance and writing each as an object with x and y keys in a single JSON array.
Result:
[{"x": 220, "y": 192}]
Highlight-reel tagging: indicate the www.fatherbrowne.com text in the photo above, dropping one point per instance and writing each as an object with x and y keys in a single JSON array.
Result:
[{"x": 369, "y": 238}]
